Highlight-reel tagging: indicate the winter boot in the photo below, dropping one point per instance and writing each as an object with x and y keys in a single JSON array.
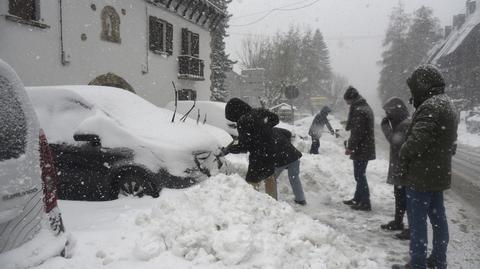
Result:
[
  {"x": 431, "y": 262},
  {"x": 301, "y": 202},
  {"x": 399, "y": 266},
  {"x": 362, "y": 207},
  {"x": 392, "y": 226},
  {"x": 404, "y": 235},
  {"x": 350, "y": 202}
]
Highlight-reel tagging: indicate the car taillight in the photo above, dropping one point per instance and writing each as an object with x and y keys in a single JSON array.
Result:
[{"x": 49, "y": 174}]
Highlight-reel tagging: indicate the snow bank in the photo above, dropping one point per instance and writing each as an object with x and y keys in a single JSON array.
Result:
[{"x": 224, "y": 221}]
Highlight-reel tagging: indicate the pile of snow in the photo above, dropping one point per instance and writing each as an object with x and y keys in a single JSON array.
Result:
[
  {"x": 224, "y": 221},
  {"x": 123, "y": 119}
]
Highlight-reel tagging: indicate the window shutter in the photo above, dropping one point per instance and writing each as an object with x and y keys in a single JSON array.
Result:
[
  {"x": 24, "y": 9},
  {"x": 161, "y": 34},
  {"x": 169, "y": 38},
  {"x": 185, "y": 41},
  {"x": 195, "y": 39},
  {"x": 154, "y": 34}
]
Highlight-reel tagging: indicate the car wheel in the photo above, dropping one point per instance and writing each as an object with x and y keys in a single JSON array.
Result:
[{"x": 131, "y": 184}]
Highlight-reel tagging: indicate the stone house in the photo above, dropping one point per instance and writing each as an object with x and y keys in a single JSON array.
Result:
[
  {"x": 138, "y": 45},
  {"x": 458, "y": 56}
]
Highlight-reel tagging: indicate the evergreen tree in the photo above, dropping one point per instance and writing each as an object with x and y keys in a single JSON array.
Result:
[
  {"x": 407, "y": 43},
  {"x": 394, "y": 64},
  {"x": 221, "y": 64},
  {"x": 424, "y": 32}
]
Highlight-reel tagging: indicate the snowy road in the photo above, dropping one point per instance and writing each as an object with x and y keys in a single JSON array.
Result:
[
  {"x": 466, "y": 175},
  {"x": 223, "y": 223}
]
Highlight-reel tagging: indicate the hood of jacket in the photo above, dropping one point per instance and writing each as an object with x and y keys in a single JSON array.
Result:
[
  {"x": 325, "y": 110},
  {"x": 236, "y": 108},
  {"x": 396, "y": 110},
  {"x": 425, "y": 82}
]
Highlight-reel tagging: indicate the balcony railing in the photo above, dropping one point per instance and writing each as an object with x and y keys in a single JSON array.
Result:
[{"x": 190, "y": 67}]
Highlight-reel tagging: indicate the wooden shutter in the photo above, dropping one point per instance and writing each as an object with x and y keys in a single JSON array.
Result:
[
  {"x": 169, "y": 38},
  {"x": 154, "y": 34},
  {"x": 25, "y": 9},
  {"x": 195, "y": 45},
  {"x": 185, "y": 41}
]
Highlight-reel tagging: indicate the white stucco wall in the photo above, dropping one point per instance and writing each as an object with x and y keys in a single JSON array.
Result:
[{"x": 36, "y": 53}]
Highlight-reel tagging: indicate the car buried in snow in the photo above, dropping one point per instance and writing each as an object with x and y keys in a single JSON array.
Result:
[
  {"x": 108, "y": 141},
  {"x": 472, "y": 121},
  {"x": 31, "y": 226}
]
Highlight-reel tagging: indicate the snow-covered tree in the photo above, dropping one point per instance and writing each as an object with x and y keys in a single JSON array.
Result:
[
  {"x": 407, "y": 42},
  {"x": 221, "y": 64}
]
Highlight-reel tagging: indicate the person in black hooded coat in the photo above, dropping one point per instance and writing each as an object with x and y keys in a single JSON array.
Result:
[
  {"x": 426, "y": 161},
  {"x": 394, "y": 127},
  {"x": 316, "y": 129},
  {"x": 255, "y": 135}
]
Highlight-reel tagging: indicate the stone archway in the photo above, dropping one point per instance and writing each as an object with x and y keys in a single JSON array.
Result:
[{"x": 112, "y": 80}]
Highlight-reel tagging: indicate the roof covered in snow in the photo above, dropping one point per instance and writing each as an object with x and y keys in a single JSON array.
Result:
[
  {"x": 456, "y": 37},
  {"x": 283, "y": 106}
]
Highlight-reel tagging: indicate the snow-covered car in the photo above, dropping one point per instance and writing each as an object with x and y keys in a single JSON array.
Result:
[
  {"x": 31, "y": 227},
  {"x": 109, "y": 141},
  {"x": 209, "y": 112},
  {"x": 472, "y": 120}
]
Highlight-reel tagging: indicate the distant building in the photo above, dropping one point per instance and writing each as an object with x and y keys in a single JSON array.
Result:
[
  {"x": 458, "y": 55},
  {"x": 137, "y": 45},
  {"x": 284, "y": 111},
  {"x": 249, "y": 85}
]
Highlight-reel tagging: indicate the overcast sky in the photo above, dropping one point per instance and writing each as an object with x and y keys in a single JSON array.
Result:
[{"x": 353, "y": 29}]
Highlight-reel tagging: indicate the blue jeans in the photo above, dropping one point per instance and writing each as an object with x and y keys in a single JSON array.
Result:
[
  {"x": 315, "y": 145},
  {"x": 362, "y": 192},
  {"x": 419, "y": 206},
  {"x": 294, "y": 178}
]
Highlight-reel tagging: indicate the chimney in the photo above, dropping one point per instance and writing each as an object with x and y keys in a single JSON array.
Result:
[
  {"x": 448, "y": 30},
  {"x": 471, "y": 7},
  {"x": 458, "y": 20}
]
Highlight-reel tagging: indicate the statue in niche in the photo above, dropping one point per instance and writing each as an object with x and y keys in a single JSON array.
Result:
[{"x": 110, "y": 25}]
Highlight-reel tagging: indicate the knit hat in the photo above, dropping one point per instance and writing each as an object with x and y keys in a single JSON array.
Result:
[
  {"x": 235, "y": 108},
  {"x": 351, "y": 93}
]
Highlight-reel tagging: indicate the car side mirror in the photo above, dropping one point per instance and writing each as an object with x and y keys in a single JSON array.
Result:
[{"x": 92, "y": 138}]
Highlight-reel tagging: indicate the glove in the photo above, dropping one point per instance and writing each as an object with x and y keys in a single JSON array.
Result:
[
  {"x": 385, "y": 121},
  {"x": 222, "y": 152}
]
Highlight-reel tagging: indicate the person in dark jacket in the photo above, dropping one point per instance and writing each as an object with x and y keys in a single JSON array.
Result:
[
  {"x": 316, "y": 129},
  {"x": 255, "y": 135},
  {"x": 286, "y": 156},
  {"x": 426, "y": 159},
  {"x": 360, "y": 146},
  {"x": 394, "y": 127}
]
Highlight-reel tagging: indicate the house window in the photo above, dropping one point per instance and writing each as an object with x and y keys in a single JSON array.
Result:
[
  {"x": 160, "y": 36},
  {"x": 190, "y": 43},
  {"x": 190, "y": 66},
  {"x": 187, "y": 94},
  {"x": 110, "y": 25},
  {"x": 25, "y": 9}
]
